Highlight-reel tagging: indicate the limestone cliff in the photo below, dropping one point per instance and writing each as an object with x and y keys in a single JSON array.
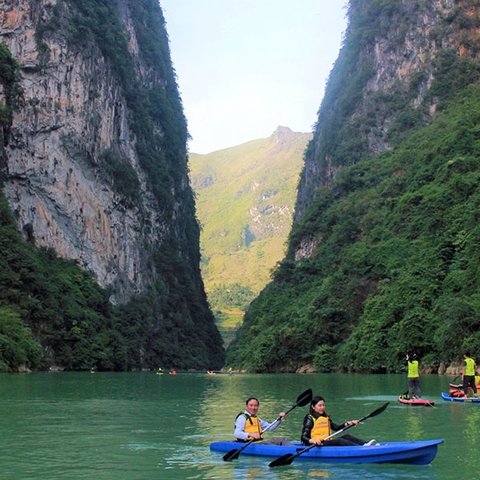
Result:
[
  {"x": 385, "y": 81},
  {"x": 74, "y": 113},
  {"x": 94, "y": 160}
]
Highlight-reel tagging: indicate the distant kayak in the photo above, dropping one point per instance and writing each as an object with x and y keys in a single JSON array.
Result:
[
  {"x": 451, "y": 398},
  {"x": 415, "y": 401},
  {"x": 415, "y": 453}
]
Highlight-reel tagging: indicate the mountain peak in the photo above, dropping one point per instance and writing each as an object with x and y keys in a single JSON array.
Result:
[{"x": 280, "y": 134}]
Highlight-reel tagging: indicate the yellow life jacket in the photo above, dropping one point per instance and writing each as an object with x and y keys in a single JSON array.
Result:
[
  {"x": 469, "y": 367},
  {"x": 252, "y": 424},
  {"x": 321, "y": 428},
  {"x": 413, "y": 369}
]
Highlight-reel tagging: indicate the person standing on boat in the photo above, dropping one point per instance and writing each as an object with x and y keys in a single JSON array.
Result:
[
  {"x": 317, "y": 425},
  {"x": 413, "y": 376},
  {"x": 468, "y": 374},
  {"x": 248, "y": 426}
]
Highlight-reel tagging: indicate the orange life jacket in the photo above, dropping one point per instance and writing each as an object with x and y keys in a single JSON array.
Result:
[{"x": 456, "y": 393}]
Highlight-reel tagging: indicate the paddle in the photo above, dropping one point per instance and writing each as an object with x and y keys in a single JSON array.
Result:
[
  {"x": 288, "y": 458},
  {"x": 302, "y": 400}
]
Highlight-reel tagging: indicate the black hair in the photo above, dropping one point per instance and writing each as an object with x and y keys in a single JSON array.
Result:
[
  {"x": 313, "y": 402},
  {"x": 252, "y": 398}
]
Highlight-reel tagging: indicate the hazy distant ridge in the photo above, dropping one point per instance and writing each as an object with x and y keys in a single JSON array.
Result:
[{"x": 245, "y": 200}]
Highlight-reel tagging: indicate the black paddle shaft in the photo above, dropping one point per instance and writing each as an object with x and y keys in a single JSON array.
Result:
[
  {"x": 302, "y": 400},
  {"x": 288, "y": 458}
]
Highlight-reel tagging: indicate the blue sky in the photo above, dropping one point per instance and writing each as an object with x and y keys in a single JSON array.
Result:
[{"x": 245, "y": 67}]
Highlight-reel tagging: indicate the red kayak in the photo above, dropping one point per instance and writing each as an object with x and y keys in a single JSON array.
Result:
[{"x": 406, "y": 400}]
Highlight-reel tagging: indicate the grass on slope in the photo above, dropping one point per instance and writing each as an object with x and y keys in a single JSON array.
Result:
[{"x": 245, "y": 196}]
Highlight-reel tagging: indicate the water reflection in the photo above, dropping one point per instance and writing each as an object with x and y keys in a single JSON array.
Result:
[
  {"x": 471, "y": 433},
  {"x": 255, "y": 468},
  {"x": 414, "y": 424}
]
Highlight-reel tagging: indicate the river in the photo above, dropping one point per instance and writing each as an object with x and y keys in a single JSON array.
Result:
[{"x": 125, "y": 426}]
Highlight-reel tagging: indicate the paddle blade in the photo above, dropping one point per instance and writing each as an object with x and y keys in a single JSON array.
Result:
[
  {"x": 304, "y": 398},
  {"x": 378, "y": 411},
  {"x": 286, "y": 459},
  {"x": 231, "y": 455}
]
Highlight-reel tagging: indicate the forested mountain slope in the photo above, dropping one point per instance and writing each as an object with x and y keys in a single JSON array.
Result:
[
  {"x": 245, "y": 197},
  {"x": 100, "y": 243},
  {"x": 383, "y": 255}
]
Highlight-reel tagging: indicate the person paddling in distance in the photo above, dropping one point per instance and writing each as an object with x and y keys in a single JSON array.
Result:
[
  {"x": 413, "y": 377},
  {"x": 317, "y": 425},
  {"x": 248, "y": 426},
  {"x": 468, "y": 374}
]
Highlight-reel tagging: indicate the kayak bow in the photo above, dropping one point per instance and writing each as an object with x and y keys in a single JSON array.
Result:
[{"x": 450, "y": 398}]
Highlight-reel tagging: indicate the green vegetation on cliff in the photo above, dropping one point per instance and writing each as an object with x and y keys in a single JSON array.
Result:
[
  {"x": 382, "y": 258},
  {"x": 51, "y": 312},
  {"x": 54, "y": 313},
  {"x": 396, "y": 262}
]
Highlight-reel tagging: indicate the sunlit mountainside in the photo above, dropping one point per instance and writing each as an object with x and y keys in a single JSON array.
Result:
[
  {"x": 383, "y": 256},
  {"x": 245, "y": 197}
]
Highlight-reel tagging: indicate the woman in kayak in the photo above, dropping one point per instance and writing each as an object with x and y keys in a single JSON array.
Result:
[
  {"x": 248, "y": 426},
  {"x": 317, "y": 425}
]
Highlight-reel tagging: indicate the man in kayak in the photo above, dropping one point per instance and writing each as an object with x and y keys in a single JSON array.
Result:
[
  {"x": 413, "y": 377},
  {"x": 248, "y": 426},
  {"x": 468, "y": 374},
  {"x": 317, "y": 425}
]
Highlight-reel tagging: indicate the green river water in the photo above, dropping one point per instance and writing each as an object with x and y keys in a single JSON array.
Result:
[{"x": 124, "y": 426}]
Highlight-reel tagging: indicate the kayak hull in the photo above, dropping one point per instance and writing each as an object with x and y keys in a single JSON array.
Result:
[
  {"x": 416, "y": 401},
  {"x": 450, "y": 398},
  {"x": 415, "y": 453}
]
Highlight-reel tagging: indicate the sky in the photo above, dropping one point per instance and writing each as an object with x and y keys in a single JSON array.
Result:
[{"x": 246, "y": 67}]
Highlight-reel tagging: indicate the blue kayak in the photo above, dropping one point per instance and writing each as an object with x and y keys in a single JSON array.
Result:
[
  {"x": 451, "y": 398},
  {"x": 416, "y": 453}
]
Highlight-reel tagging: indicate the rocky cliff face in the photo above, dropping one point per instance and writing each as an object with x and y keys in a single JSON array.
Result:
[
  {"x": 382, "y": 81},
  {"x": 74, "y": 115}
]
